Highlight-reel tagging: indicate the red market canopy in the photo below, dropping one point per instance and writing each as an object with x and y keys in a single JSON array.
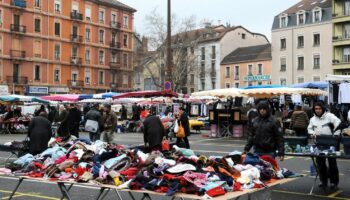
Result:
[
  {"x": 147, "y": 93},
  {"x": 62, "y": 97}
]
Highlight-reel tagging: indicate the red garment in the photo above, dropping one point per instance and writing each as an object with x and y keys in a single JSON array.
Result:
[
  {"x": 60, "y": 160},
  {"x": 217, "y": 191},
  {"x": 237, "y": 187},
  {"x": 80, "y": 170},
  {"x": 273, "y": 162},
  {"x": 162, "y": 189},
  {"x": 258, "y": 185},
  {"x": 131, "y": 172},
  {"x": 168, "y": 176}
]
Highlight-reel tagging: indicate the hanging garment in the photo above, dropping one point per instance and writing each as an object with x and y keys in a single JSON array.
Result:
[
  {"x": 344, "y": 94},
  {"x": 296, "y": 98}
]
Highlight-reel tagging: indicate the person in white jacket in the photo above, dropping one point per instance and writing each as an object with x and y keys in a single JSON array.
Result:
[{"x": 322, "y": 123}]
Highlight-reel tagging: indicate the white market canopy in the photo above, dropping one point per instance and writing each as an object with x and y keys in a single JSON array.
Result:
[
  {"x": 337, "y": 78},
  {"x": 233, "y": 92},
  {"x": 269, "y": 92}
]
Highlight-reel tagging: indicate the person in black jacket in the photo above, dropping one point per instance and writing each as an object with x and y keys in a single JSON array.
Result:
[
  {"x": 63, "y": 130},
  {"x": 153, "y": 132},
  {"x": 265, "y": 134},
  {"x": 183, "y": 120},
  {"x": 95, "y": 115},
  {"x": 74, "y": 119},
  {"x": 39, "y": 133},
  {"x": 53, "y": 114}
]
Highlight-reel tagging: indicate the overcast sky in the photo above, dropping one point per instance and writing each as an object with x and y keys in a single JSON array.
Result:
[{"x": 255, "y": 15}]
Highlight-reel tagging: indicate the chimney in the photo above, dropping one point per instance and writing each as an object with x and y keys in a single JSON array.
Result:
[{"x": 144, "y": 44}]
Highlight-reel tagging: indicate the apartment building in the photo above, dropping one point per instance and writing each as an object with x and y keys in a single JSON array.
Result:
[
  {"x": 66, "y": 46},
  {"x": 341, "y": 37},
  {"x": 247, "y": 66},
  {"x": 302, "y": 43}
]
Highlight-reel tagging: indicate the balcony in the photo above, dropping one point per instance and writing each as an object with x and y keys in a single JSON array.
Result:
[
  {"x": 18, "y": 28},
  {"x": 76, "y": 16},
  {"x": 340, "y": 40},
  {"x": 17, "y": 54},
  {"x": 74, "y": 60},
  {"x": 202, "y": 75},
  {"x": 341, "y": 63},
  {"x": 76, "y": 38},
  {"x": 114, "y": 64},
  {"x": 75, "y": 83},
  {"x": 23, "y": 80},
  {"x": 213, "y": 74},
  {"x": 113, "y": 85},
  {"x": 115, "y": 45},
  {"x": 116, "y": 25},
  {"x": 19, "y": 3}
]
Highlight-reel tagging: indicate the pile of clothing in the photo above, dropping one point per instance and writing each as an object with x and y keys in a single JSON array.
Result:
[{"x": 177, "y": 170}]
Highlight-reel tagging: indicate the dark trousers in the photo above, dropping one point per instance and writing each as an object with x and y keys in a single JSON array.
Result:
[
  {"x": 74, "y": 131},
  {"x": 95, "y": 136},
  {"x": 300, "y": 131},
  {"x": 185, "y": 139},
  {"x": 330, "y": 172}
]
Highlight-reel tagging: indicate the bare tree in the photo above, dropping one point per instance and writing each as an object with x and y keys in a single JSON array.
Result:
[{"x": 184, "y": 42}]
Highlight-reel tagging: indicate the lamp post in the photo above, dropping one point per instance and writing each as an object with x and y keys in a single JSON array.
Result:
[{"x": 169, "y": 60}]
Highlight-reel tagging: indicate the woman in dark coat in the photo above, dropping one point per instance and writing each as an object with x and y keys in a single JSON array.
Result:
[
  {"x": 183, "y": 120},
  {"x": 63, "y": 130},
  {"x": 153, "y": 132},
  {"x": 39, "y": 133}
]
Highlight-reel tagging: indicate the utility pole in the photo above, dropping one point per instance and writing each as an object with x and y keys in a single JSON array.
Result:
[{"x": 169, "y": 57}]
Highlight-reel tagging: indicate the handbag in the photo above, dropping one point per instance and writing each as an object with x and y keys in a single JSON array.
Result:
[
  {"x": 165, "y": 144},
  {"x": 176, "y": 127},
  {"x": 91, "y": 126},
  {"x": 181, "y": 132}
]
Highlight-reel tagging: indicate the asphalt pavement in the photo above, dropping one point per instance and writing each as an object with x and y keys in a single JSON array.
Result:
[{"x": 298, "y": 189}]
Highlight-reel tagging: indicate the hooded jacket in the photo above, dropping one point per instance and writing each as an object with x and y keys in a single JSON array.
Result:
[
  {"x": 326, "y": 124},
  {"x": 299, "y": 120},
  {"x": 265, "y": 134}
]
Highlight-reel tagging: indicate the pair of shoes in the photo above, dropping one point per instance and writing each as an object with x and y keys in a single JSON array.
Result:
[{"x": 333, "y": 186}]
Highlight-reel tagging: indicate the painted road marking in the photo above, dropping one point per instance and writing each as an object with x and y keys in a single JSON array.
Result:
[
  {"x": 18, "y": 194},
  {"x": 307, "y": 194},
  {"x": 334, "y": 194},
  {"x": 14, "y": 196}
]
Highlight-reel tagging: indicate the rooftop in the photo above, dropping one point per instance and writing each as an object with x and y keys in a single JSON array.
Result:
[{"x": 245, "y": 54}]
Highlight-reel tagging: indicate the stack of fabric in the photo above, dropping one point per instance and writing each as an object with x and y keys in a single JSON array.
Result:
[{"x": 177, "y": 170}]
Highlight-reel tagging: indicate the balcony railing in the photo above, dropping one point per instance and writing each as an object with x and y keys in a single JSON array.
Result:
[
  {"x": 75, "y": 83},
  {"x": 116, "y": 24},
  {"x": 114, "y": 64},
  {"x": 341, "y": 37},
  {"x": 115, "y": 45},
  {"x": 17, "y": 54},
  {"x": 75, "y": 15},
  {"x": 19, "y": 3},
  {"x": 113, "y": 85},
  {"x": 76, "y": 38},
  {"x": 23, "y": 80},
  {"x": 74, "y": 60},
  {"x": 18, "y": 28},
  {"x": 341, "y": 14}
]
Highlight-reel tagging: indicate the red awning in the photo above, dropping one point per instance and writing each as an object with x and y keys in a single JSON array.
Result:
[{"x": 147, "y": 93}]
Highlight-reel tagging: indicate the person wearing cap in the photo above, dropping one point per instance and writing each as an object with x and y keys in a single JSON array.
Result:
[
  {"x": 153, "y": 132},
  {"x": 94, "y": 115},
  {"x": 110, "y": 122},
  {"x": 325, "y": 123},
  {"x": 183, "y": 120},
  {"x": 265, "y": 134}
]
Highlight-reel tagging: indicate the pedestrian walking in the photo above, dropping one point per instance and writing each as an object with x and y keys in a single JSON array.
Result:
[
  {"x": 153, "y": 132},
  {"x": 183, "y": 121},
  {"x": 110, "y": 122},
  {"x": 39, "y": 133},
  {"x": 95, "y": 116},
  {"x": 74, "y": 119},
  {"x": 63, "y": 130}
]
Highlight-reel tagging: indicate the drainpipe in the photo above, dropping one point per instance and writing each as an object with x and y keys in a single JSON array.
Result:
[
  {"x": 293, "y": 62},
  {"x": 48, "y": 43}
]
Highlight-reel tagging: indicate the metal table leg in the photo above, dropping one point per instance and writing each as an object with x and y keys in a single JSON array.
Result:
[
  {"x": 70, "y": 186},
  {"x": 145, "y": 195},
  {"x": 131, "y": 195},
  {"x": 317, "y": 174},
  {"x": 20, "y": 180},
  {"x": 64, "y": 190}
]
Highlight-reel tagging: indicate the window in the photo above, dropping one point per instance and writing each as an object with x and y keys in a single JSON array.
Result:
[
  {"x": 37, "y": 73},
  {"x": 243, "y": 36},
  {"x": 203, "y": 53},
  {"x": 191, "y": 79},
  {"x": 250, "y": 70},
  {"x": 203, "y": 84},
  {"x": 57, "y": 29},
  {"x": 101, "y": 16},
  {"x": 114, "y": 18},
  {"x": 74, "y": 78},
  {"x": 192, "y": 50},
  {"x": 87, "y": 34},
  {"x": 37, "y": 48},
  {"x": 37, "y": 3},
  {"x": 316, "y": 78},
  {"x": 317, "y": 39},
  {"x": 126, "y": 21},
  {"x": 227, "y": 72},
  {"x": 114, "y": 58},
  {"x": 125, "y": 40},
  {"x": 57, "y": 51},
  {"x": 346, "y": 55},
  {"x": 213, "y": 84},
  {"x": 57, "y": 6},
  {"x": 192, "y": 90},
  {"x": 213, "y": 52},
  {"x": 260, "y": 66},
  {"x": 101, "y": 57},
  {"x": 237, "y": 85},
  {"x": 283, "y": 22},
  {"x": 87, "y": 77},
  {"x": 283, "y": 81},
  {"x": 227, "y": 85},
  {"x": 87, "y": 55},
  {"x": 283, "y": 64},
  {"x": 236, "y": 72},
  {"x": 37, "y": 25},
  {"x": 0, "y": 45},
  {"x": 346, "y": 8},
  {"x": 300, "y": 79},
  {"x": 88, "y": 14},
  {"x": 101, "y": 36},
  {"x": 301, "y": 19},
  {"x": 259, "y": 83},
  {"x": 316, "y": 61},
  {"x": 283, "y": 43},
  {"x": 125, "y": 60},
  {"x": 56, "y": 75},
  {"x": 101, "y": 77},
  {"x": 0, "y": 17},
  {"x": 317, "y": 16},
  {"x": 300, "y": 41},
  {"x": 301, "y": 63}
]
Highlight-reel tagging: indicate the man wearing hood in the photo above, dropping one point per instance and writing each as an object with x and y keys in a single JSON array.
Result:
[
  {"x": 265, "y": 134},
  {"x": 299, "y": 121},
  {"x": 325, "y": 123}
]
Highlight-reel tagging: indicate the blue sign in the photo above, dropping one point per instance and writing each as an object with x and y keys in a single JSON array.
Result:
[
  {"x": 167, "y": 85},
  {"x": 37, "y": 90}
]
